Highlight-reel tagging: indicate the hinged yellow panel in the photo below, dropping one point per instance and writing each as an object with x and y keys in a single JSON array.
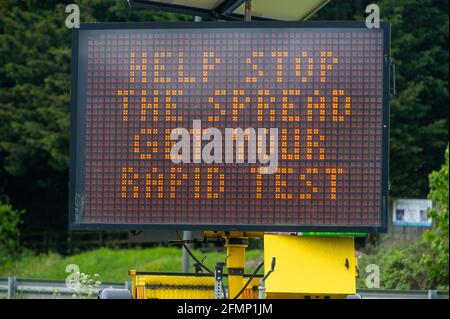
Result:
[
  {"x": 310, "y": 266},
  {"x": 156, "y": 286}
]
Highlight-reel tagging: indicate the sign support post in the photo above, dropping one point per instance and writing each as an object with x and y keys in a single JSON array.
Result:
[
  {"x": 248, "y": 11},
  {"x": 235, "y": 245}
]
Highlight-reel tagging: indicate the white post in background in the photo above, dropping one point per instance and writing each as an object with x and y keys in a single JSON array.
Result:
[
  {"x": 12, "y": 287},
  {"x": 187, "y": 235}
]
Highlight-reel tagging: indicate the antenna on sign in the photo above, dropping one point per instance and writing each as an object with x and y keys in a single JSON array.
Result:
[{"x": 248, "y": 11}]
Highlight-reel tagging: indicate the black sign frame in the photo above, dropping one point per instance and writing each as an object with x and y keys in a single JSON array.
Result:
[{"x": 77, "y": 153}]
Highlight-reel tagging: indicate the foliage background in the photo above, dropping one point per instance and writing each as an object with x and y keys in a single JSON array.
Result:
[
  {"x": 35, "y": 98},
  {"x": 419, "y": 114},
  {"x": 35, "y": 77},
  {"x": 35, "y": 54}
]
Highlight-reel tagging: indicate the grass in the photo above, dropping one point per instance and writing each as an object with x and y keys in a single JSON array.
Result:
[{"x": 112, "y": 265}]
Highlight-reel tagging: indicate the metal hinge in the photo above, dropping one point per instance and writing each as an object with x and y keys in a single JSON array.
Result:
[{"x": 392, "y": 86}]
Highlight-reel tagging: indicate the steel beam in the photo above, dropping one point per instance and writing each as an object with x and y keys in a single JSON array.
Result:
[{"x": 227, "y": 7}]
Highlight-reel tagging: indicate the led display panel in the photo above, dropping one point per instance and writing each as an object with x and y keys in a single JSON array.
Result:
[{"x": 315, "y": 93}]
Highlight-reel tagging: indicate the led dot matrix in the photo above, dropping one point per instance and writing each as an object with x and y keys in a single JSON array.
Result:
[{"x": 322, "y": 88}]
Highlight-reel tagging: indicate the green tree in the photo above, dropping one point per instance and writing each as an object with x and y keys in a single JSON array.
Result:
[
  {"x": 436, "y": 258},
  {"x": 423, "y": 263},
  {"x": 35, "y": 55},
  {"x": 9, "y": 231},
  {"x": 399, "y": 266},
  {"x": 419, "y": 115},
  {"x": 35, "y": 88}
]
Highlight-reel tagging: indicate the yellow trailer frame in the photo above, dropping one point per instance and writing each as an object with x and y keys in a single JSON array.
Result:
[{"x": 306, "y": 267}]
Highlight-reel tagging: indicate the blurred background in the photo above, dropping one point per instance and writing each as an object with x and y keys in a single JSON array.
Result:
[{"x": 35, "y": 54}]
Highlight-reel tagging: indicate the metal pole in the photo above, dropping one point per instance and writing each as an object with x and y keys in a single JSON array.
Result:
[
  {"x": 236, "y": 246},
  {"x": 262, "y": 290},
  {"x": 248, "y": 11},
  {"x": 128, "y": 285},
  {"x": 187, "y": 235},
  {"x": 12, "y": 287},
  {"x": 432, "y": 294},
  {"x": 218, "y": 281}
]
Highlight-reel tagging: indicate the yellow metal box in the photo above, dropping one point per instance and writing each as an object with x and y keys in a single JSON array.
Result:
[{"x": 310, "y": 267}]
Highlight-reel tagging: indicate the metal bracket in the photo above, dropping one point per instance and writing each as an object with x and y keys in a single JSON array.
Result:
[
  {"x": 237, "y": 241},
  {"x": 236, "y": 271},
  {"x": 198, "y": 267},
  {"x": 392, "y": 86},
  {"x": 262, "y": 283},
  {"x": 218, "y": 282}
]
